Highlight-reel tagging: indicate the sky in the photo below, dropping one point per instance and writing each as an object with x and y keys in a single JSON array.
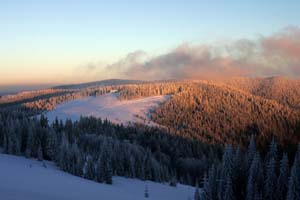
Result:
[{"x": 71, "y": 41}]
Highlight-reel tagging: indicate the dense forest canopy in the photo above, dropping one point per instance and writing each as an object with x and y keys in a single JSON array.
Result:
[{"x": 224, "y": 111}]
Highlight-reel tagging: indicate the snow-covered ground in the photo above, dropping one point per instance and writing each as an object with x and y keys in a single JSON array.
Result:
[
  {"x": 25, "y": 179},
  {"x": 108, "y": 106}
]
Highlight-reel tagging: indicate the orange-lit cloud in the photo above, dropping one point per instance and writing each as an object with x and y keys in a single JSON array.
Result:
[{"x": 278, "y": 54}]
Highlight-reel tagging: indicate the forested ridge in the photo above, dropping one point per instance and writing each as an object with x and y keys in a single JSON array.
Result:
[
  {"x": 281, "y": 89},
  {"x": 222, "y": 112},
  {"x": 226, "y": 111},
  {"x": 198, "y": 123},
  {"x": 217, "y": 114}
]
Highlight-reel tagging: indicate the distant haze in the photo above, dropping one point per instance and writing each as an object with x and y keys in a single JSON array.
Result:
[
  {"x": 51, "y": 42},
  {"x": 12, "y": 89}
]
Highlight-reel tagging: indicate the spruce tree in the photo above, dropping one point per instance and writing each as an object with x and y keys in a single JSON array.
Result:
[
  {"x": 239, "y": 180},
  {"x": 294, "y": 181},
  {"x": 13, "y": 138},
  {"x": 147, "y": 166},
  {"x": 229, "y": 195},
  {"x": 29, "y": 142},
  {"x": 62, "y": 157},
  {"x": 99, "y": 171},
  {"x": 89, "y": 168},
  {"x": 270, "y": 181},
  {"x": 251, "y": 152},
  {"x": 108, "y": 173},
  {"x": 272, "y": 153},
  {"x": 40, "y": 152},
  {"x": 254, "y": 183},
  {"x": 282, "y": 181},
  {"x": 226, "y": 171},
  {"x": 51, "y": 144}
]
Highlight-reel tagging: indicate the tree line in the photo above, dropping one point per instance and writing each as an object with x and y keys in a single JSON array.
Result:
[{"x": 97, "y": 149}]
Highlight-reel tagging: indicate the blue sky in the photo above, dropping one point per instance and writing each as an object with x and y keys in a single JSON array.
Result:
[{"x": 47, "y": 36}]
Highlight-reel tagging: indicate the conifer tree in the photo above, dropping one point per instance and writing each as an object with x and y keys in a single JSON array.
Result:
[
  {"x": 270, "y": 181},
  {"x": 251, "y": 152},
  {"x": 294, "y": 181},
  {"x": 226, "y": 171},
  {"x": 40, "y": 152},
  {"x": 229, "y": 195},
  {"x": 272, "y": 150},
  {"x": 62, "y": 157},
  {"x": 254, "y": 183},
  {"x": 89, "y": 169},
  {"x": 108, "y": 173},
  {"x": 147, "y": 166},
  {"x": 51, "y": 144},
  {"x": 239, "y": 180},
  {"x": 29, "y": 142},
  {"x": 282, "y": 181}
]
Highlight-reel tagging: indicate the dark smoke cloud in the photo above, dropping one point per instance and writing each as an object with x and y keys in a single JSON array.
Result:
[{"x": 278, "y": 54}]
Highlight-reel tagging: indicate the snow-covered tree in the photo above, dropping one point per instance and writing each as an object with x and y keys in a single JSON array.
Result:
[
  {"x": 294, "y": 181},
  {"x": 239, "y": 172},
  {"x": 272, "y": 153},
  {"x": 89, "y": 168},
  {"x": 40, "y": 152},
  {"x": 283, "y": 178},
  {"x": 270, "y": 180},
  {"x": 226, "y": 171},
  {"x": 251, "y": 152},
  {"x": 255, "y": 178},
  {"x": 29, "y": 142},
  {"x": 51, "y": 144},
  {"x": 62, "y": 157},
  {"x": 229, "y": 194}
]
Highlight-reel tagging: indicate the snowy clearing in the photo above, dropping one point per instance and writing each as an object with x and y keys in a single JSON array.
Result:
[
  {"x": 26, "y": 179},
  {"x": 110, "y": 107}
]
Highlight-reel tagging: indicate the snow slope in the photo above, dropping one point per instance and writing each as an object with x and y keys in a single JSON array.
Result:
[
  {"x": 25, "y": 179},
  {"x": 108, "y": 106}
]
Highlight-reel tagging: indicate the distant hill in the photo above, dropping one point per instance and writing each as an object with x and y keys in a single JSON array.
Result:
[
  {"x": 227, "y": 111},
  {"x": 218, "y": 113},
  {"x": 32, "y": 95},
  {"x": 99, "y": 83},
  {"x": 283, "y": 90}
]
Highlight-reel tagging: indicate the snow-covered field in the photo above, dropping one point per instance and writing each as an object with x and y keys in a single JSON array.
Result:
[
  {"x": 108, "y": 106},
  {"x": 25, "y": 179}
]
